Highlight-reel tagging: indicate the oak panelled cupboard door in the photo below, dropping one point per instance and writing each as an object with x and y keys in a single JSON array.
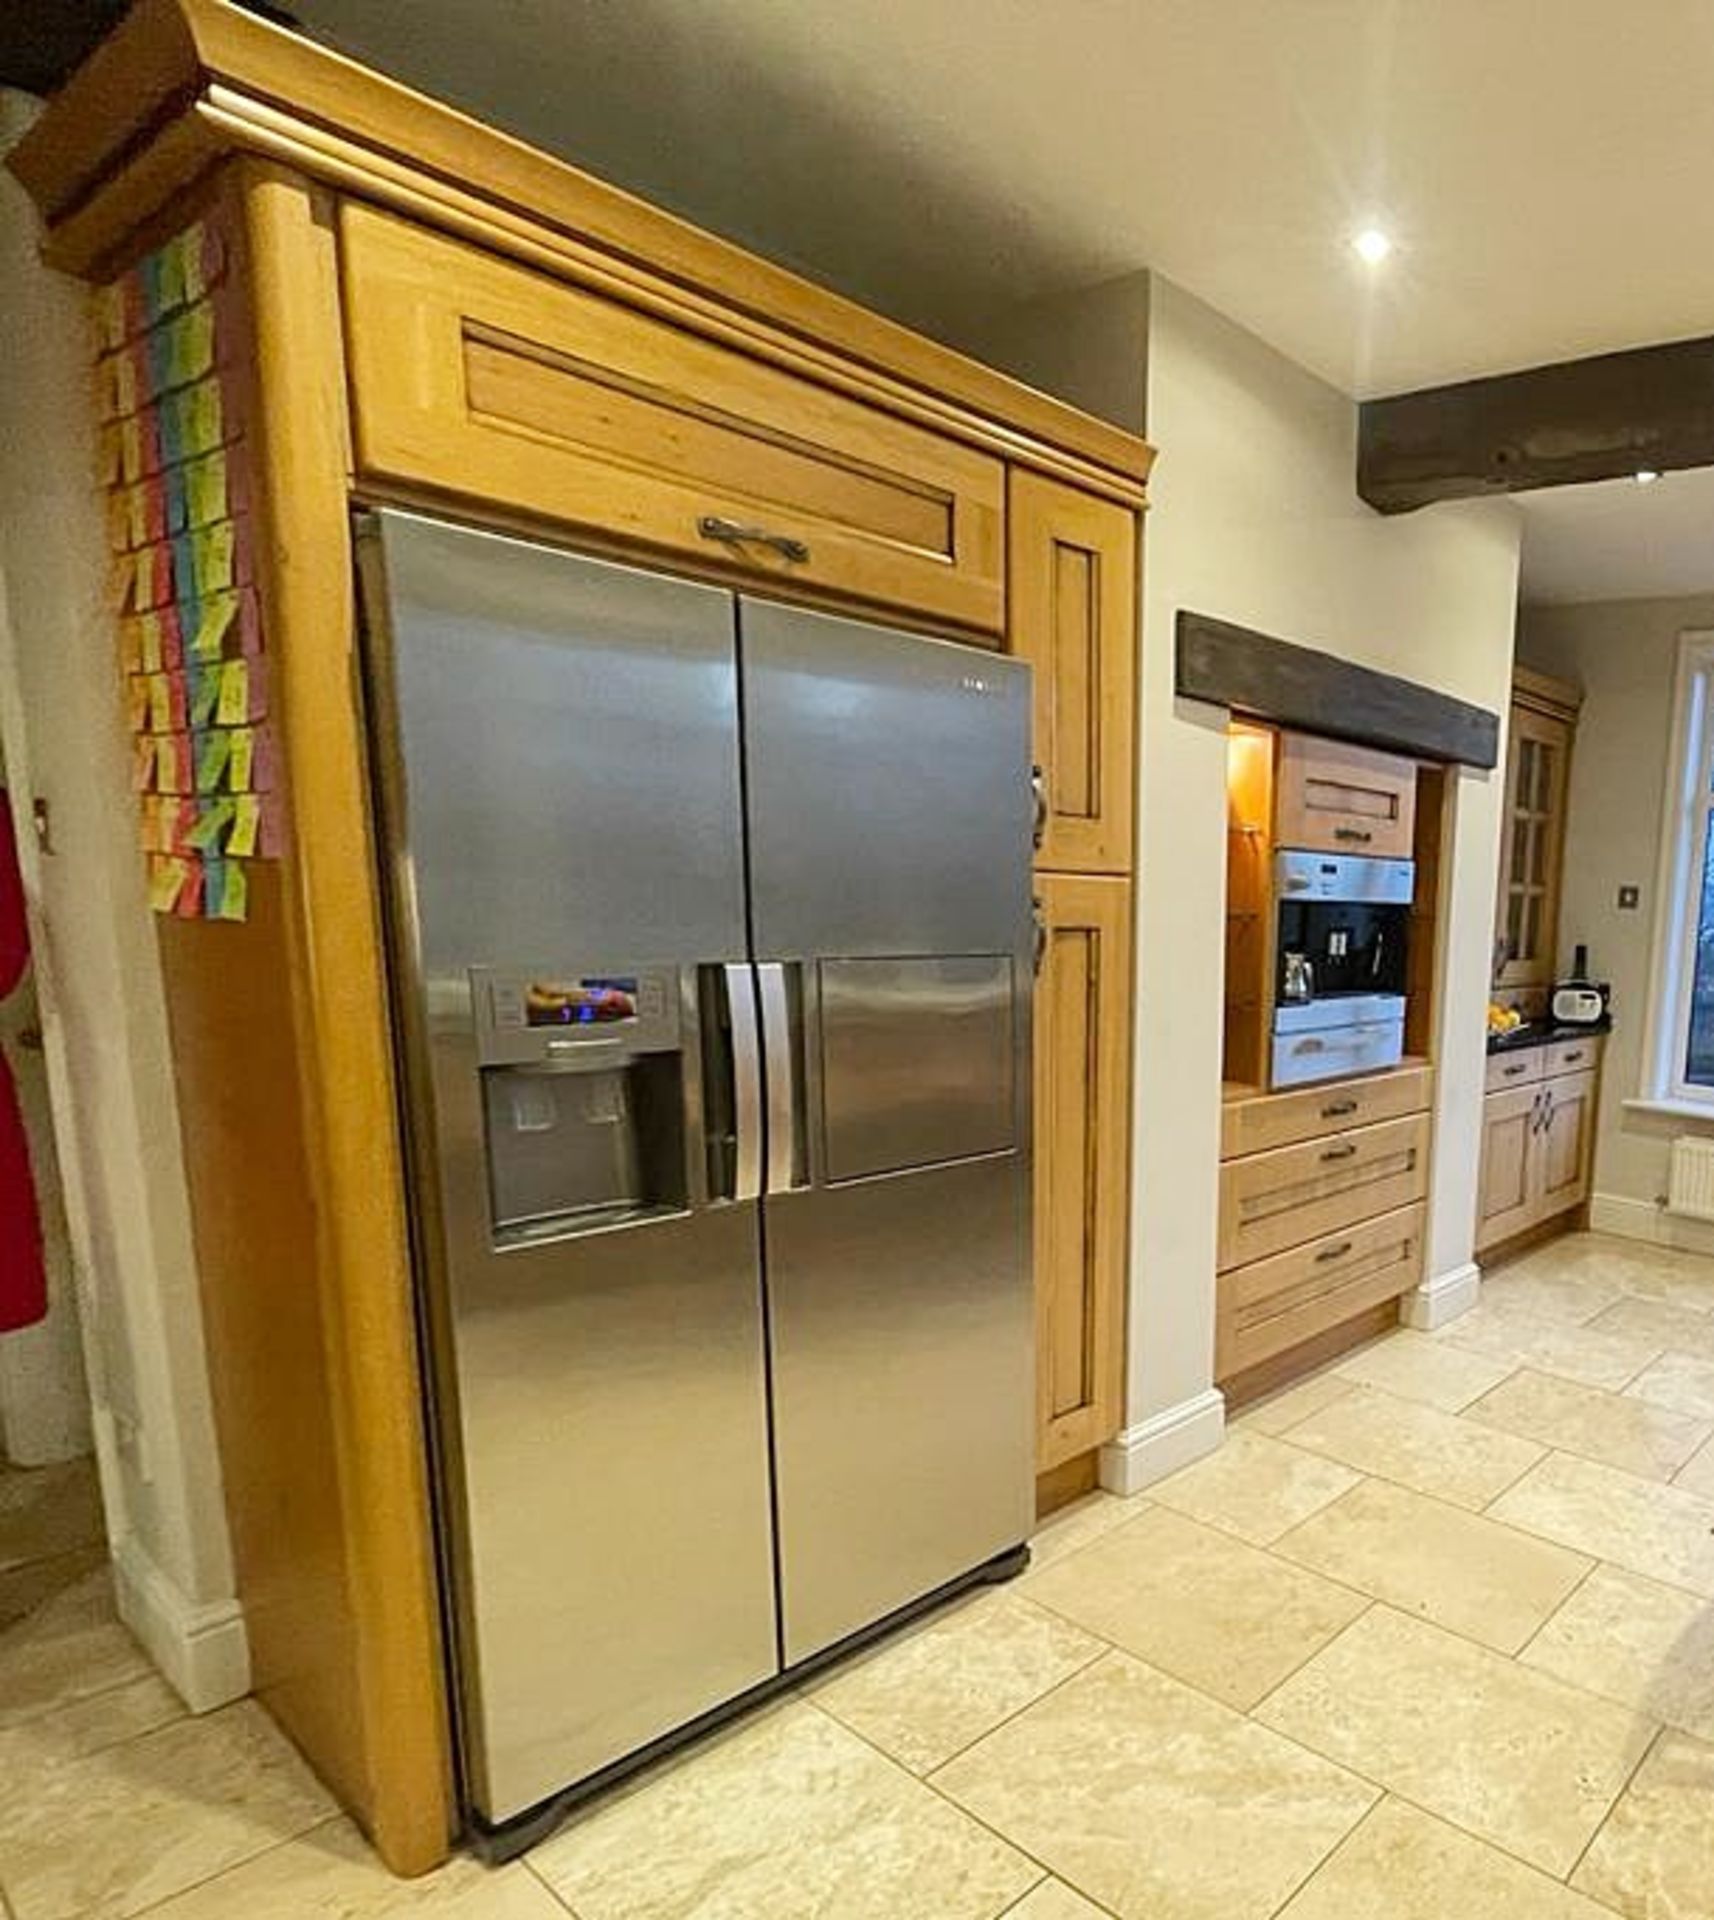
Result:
[
  {"x": 1072, "y": 581},
  {"x": 1563, "y": 1143},
  {"x": 1508, "y": 1184},
  {"x": 1082, "y": 1080}
]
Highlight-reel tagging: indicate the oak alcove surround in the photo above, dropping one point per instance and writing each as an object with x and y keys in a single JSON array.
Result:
[{"x": 440, "y": 315}]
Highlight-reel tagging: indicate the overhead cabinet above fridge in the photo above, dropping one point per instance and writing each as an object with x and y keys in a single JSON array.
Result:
[{"x": 711, "y": 935}]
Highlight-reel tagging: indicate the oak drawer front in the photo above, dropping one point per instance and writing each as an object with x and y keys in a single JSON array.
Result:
[
  {"x": 1272, "y": 1305},
  {"x": 1281, "y": 1119},
  {"x": 475, "y": 377},
  {"x": 1282, "y": 1199},
  {"x": 1521, "y": 1069},
  {"x": 1572, "y": 1056},
  {"x": 1338, "y": 798}
]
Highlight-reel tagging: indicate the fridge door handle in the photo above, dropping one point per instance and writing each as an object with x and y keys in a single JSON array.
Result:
[
  {"x": 782, "y": 1092},
  {"x": 746, "y": 1080}
]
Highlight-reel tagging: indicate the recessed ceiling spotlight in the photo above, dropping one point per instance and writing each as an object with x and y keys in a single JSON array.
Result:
[
  {"x": 1371, "y": 245},
  {"x": 1646, "y": 476}
]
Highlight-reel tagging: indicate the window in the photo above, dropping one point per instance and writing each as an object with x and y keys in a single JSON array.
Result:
[{"x": 1680, "y": 1053}]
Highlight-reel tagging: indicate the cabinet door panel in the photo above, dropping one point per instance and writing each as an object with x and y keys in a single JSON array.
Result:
[
  {"x": 1538, "y": 758},
  {"x": 1564, "y": 1142},
  {"x": 1337, "y": 798},
  {"x": 1082, "y": 1134},
  {"x": 1507, "y": 1194},
  {"x": 1073, "y": 616},
  {"x": 474, "y": 377}
]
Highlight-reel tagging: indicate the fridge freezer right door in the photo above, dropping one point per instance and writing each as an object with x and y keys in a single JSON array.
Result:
[{"x": 889, "y": 812}]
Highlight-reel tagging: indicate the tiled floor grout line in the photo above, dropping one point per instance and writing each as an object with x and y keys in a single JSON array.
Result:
[
  {"x": 208, "y": 1879},
  {"x": 1594, "y": 1567},
  {"x": 1612, "y": 1805},
  {"x": 527, "y": 1862}
]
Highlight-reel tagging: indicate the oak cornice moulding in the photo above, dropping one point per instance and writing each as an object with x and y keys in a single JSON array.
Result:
[{"x": 183, "y": 83}]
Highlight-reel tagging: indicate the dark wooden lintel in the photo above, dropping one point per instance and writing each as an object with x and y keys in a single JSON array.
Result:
[
  {"x": 1604, "y": 418},
  {"x": 1268, "y": 679}
]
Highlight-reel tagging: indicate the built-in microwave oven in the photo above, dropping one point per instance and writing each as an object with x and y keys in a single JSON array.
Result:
[{"x": 1340, "y": 956}]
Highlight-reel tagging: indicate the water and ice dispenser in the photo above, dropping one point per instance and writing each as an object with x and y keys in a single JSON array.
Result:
[{"x": 582, "y": 1099}]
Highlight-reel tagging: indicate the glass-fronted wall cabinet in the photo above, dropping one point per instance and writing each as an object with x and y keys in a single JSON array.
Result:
[{"x": 1532, "y": 845}]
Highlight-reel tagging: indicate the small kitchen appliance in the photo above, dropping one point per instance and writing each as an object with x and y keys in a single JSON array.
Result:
[
  {"x": 1340, "y": 946},
  {"x": 1580, "y": 1001}
]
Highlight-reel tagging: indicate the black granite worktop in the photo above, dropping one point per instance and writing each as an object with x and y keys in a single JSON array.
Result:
[{"x": 1543, "y": 1033}]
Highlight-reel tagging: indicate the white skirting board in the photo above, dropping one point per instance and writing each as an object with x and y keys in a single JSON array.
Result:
[
  {"x": 1164, "y": 1442},
  {"x": 1643, "y": 1220},
  {"x": 1438, "y": 1302},
  {"x": 200, "y": 1647}
]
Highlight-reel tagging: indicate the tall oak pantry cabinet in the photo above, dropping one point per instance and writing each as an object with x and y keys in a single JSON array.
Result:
[{"x": 413, "y": 308}]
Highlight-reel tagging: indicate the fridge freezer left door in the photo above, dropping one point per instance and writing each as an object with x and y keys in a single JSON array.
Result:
[{"x": 557, "y": 752}]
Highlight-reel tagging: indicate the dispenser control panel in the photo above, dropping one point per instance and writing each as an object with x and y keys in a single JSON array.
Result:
[{"x": 523, "y": 1016}]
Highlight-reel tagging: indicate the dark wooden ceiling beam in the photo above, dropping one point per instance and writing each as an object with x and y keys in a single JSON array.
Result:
[{"x": 1598, "y": 419}]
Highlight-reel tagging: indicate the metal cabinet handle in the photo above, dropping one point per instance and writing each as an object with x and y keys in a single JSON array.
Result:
[
  {"x": 777, "y": 1052},
  {"x": 1571, "y": 1059},
  {"x": 1345, "y": 1150},
  {"x": 1336, "y": 1109},
  {"x": 1511, "y": 1073},
  {"x": 1334, "y": 1253},
  {"x": 734, "y": 533},
  {"x": 1359, "y": 836},
  {"x": 1038, "y": 797},
  {"x": 746, "y": 1080},
  {"x": 1038, "y": 936}
]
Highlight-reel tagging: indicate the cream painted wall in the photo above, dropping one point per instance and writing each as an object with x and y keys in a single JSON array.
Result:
[
  {"x": 103, "y": 1017},
  {"x": 1255, "y": 519},
  {"x": 1624, "y": 654}
]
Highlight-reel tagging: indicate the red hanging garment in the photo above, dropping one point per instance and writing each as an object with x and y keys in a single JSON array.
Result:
[{"x": 23, "y": 1276}]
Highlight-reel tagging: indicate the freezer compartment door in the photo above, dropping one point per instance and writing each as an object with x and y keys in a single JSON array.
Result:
[{"x": 889, "y": 806}]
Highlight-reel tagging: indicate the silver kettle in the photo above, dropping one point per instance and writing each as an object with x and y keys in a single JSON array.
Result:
[{"x": 1298, "y": 983}]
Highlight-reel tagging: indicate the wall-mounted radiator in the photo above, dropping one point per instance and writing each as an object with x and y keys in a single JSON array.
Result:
[{"x": 1690, "y": 1187}]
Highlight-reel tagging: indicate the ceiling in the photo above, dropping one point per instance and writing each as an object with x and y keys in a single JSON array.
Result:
[
  {"x": 1543, "y": 163},
  {"x": 1618, "y": 541}
]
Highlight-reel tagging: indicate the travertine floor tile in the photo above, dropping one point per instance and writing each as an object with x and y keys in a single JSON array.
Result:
[
  {"x": 1504, "y": 1752},
  {"x": 1652, "y": 1860},
  {"x": 1254, "y": 1487},
  {"x": 925, "y": 1697},
  {"x": 1417, "y": 1446},
  {"x": 68, "y": 1649},
  {"x": 1668, "y": 1323},
  {"x": 1054, "y": 1900},
  {"x": 1613, "y": 1428},
  {"x": 46, "y": 1511},
  {"x": 792, "y": 1818},
  {"x": 1282, "y": 1410},
  {"x": 1551, "y": 1290},
  {"x": 331, "y": 1874},
  {"x": 1402, "y": 1864},
  {"x": 1648, "y": 1273},
  {"x": 1659, "y": 1531},
  {"x": 117, "y": 1832},
  {"x": 1225, "y": 1616},
  {"x": 1418, "y": 1366},
  {"x": 24, "y": 1589},
  {"x": 1597, "y": 1358},
  {"x": 1155, "y": 1801},
  {"x": 1697, "y": 1473},
  {"x": 1074, "y": 1526},
  {"x": 87, "y": 1726},
  {"x": 1458, "y": 1569},
  {"x": 1683, "y": 1382},
  {"x": 1634, "y": 1641}
]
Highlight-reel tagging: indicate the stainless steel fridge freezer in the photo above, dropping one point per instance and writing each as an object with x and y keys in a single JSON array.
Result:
[{"x": 710, "y": 929}]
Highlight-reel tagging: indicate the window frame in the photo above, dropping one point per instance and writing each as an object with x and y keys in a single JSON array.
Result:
[{"x": 1687, "y": 816}]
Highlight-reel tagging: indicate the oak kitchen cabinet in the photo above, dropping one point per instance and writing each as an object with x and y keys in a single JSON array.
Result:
[
  {"x": 1543, "y": 726},
  {"x": 433, "y": 314},
  {"x": 1538, "y": 1136},
  {"x": 1334, "y": 797}
]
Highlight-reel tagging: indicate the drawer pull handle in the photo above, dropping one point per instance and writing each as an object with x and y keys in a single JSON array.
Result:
[
  {"x": 1038, "y": 806},
  {"x": 1571, "y": 1059},
  {"x": 735, "y": 534},
  {"x": 1334, "y": 1253},
  {"x": 1511, "y": 1073},
  {"x": 1335, "y": 1108},
  {"x": 1344, "y": 1151},
  {"x": 1360, "y": 835}
]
